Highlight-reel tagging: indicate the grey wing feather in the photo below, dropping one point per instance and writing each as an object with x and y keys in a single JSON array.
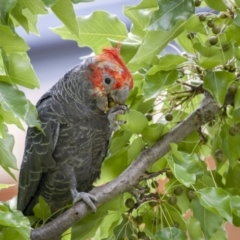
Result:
[{"x": 38, "y": 153}]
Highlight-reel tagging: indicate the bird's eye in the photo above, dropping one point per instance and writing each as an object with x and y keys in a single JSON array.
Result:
[{"x": 107, "y": 80}]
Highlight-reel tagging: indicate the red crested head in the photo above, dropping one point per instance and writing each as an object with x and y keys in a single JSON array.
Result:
[{"x": 110, "y": 75}]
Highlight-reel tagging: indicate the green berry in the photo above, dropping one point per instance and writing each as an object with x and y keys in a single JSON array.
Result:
[
  {"x": 216, "y": 29},
  {"x": 202, "y": 17},
  {"x": 219, "y": 156},
  {"x": 129, "y": 203},
  {"x": 191, "y": 194},
  {"x": 172, "y": 200},
  {"x": 210, "y": 23},
  {"x": 197, "y": 3},
  {"x": 178, "y": 191},
  {"x": 149, "y": 117},
  {"x": 138, "y": 220},
  {"x": 213, "y": 40},
  {"x": 169, "y": 117}
]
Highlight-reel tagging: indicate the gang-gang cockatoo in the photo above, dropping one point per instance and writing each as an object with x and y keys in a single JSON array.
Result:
[{"x": 62, "y": 163}]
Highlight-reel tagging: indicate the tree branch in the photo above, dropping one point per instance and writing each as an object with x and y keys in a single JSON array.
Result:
[{"x": 131, "y": 176}]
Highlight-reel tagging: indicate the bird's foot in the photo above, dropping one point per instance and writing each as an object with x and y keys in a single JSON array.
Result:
[
  {"x": 89, "y": 199},
  {"x": 113, "y": 113}
]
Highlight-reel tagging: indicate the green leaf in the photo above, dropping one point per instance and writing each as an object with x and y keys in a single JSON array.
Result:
[
  {"x": 146, "y": 5},
  {"x": 231, "y": 34},
  {"x": 139, "y": 18},
  {"x": 64, "y": 10},
  {"x": 209, "y": 221},
  {"x": 206, "y": 51},
  {"x": 216, "y": 5},
  {"x": 170, "y": 233},
  {"x": 169, "y": 13},
  {"x": 237, "y": 17},
  {"x": 87, "y": 227},
  {"x": 237, "y": 2},
  {"x": 49, "y": 3},
  {"x": 154, "y": 84},
  {"x": 17, "y": 13},
  {"x": 42, "y": 209},
  {"x": 134, "y": 149},
  {"x": 32, "y": 21},
  {"x": 153, "y": 133},
  {"x": 124, "y": 229},
  {"x": 229, "y": 144},
  {"x": 36, "y": 6},
  {"x": 9, "y": 118},
  {"x": 194, "y": 229},
  {"x": 233, "y": 177},
  {"x": 11, "y": 42},
  {"x": 31, "y": 117},
  {"x": 21, "y": 71},
  {"x": 217, "y": 84},
  {"x": 13, "y": 224},
  {"x": 5, "y": 8},
  {"x": 13, "y": 100},
  {"x": 119, "y": 140},
  {"x": 182, "y": 175},
  {"x": 220, "y": 234},
  {"x": 217, "y": 201},
  {"x": 166, "y": 63},
  {"x": 131, "y": 119},
  {"x": 109, "y": 171},
  {"x": 96, "y": 30},
  {"x": 235, "y": 210},
  {"x": 150, "y": 47},
  {"x": 7, "y": 159},
  {"x": 2, "y": 185}
]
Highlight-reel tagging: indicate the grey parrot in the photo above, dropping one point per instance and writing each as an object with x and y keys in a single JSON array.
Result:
[{"x": 61, "y": 162}]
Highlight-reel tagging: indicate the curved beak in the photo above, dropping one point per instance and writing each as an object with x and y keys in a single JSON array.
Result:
[{"x": 120, "y": 95}]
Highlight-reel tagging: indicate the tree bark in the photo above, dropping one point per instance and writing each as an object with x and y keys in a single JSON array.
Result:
[{"x": 131, "y": 176}]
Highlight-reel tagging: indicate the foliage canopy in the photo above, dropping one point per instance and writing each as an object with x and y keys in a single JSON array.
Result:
[{"x": 203, "y": 42}]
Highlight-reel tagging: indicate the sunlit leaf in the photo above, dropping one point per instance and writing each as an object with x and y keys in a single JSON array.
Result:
[
  {"x": 42, "y": 209},
  {"x": 95, "y": 30},
  {"x": 216, "y": 200},
  {"x": 150, "y": 47},
  {"x": 2, "y": 185},
  {"x": 169, "y": 13},
  {"x": 209, "y": 221},
  {"x": 11, "y": 42},
  {"x": 64, "y": 10},
  {"x": 36, "y": 6},
  {"x": 131, "y": 118},
  {"x": 166, "y": 63},
  {"x": 194, "y": 229},
  {"x": 154, "y": 84},
  {"x": 219, "y": 5},
  {"x": 217, "y": 84}
]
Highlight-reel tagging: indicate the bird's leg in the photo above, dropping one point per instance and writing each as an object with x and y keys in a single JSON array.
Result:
[
  {"x": 113, "y": 113},
  {"x": 89, "y": 199}
]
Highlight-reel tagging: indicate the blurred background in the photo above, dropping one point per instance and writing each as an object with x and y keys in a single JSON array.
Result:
[{"x": 51, "y": 58}]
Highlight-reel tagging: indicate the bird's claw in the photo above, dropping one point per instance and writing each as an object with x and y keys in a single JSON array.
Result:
[
  {"x": 113, "y": 113},
  {"x": 89, "y": 199}
]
